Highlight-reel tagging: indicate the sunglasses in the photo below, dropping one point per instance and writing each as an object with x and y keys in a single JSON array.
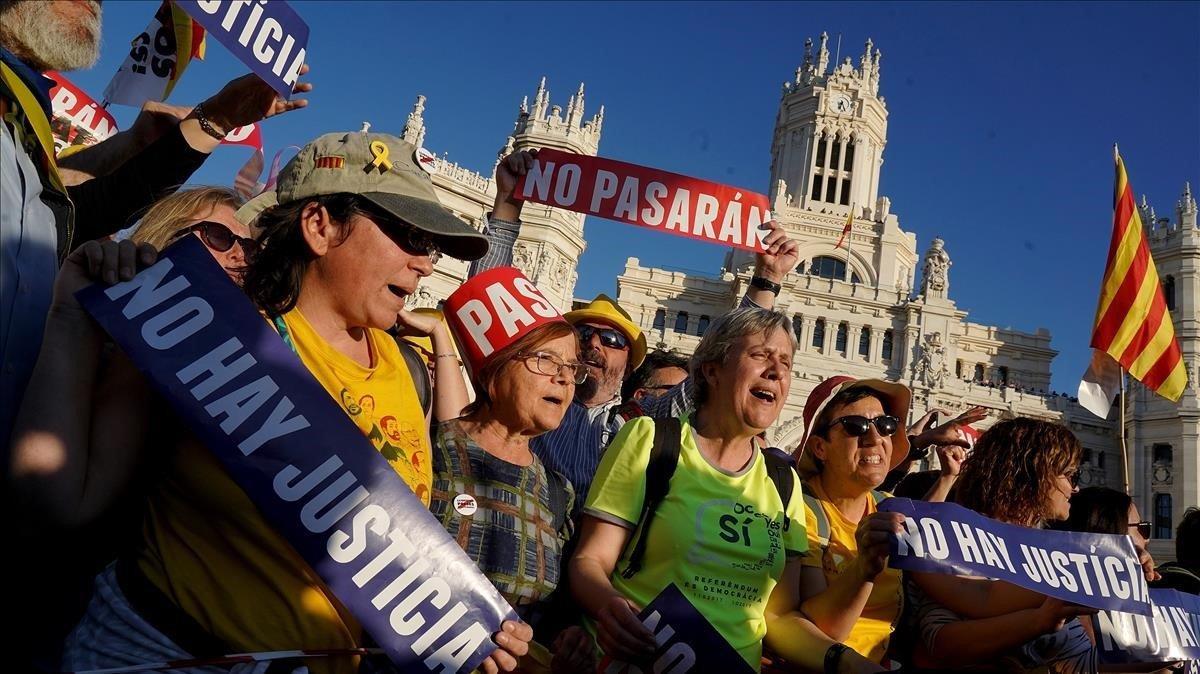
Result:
[
  {"x": 1142, "y": 527},
  {"x": 856, "y": 425},
  {"x": 613, "y": 339},
  {"x": 1072, "y": 477},
  {"x": 219, "y": 237},
  {"x": 414, "y": 241},
  {"x": 551, "y": 366}
]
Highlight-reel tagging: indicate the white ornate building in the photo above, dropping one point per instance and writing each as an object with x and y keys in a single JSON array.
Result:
[{"x": 875, "y": 307}]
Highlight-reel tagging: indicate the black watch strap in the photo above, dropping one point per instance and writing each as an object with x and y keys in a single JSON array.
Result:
[
  {"x": 763, "y": 284},
  {"x": 833, "y": 656}
]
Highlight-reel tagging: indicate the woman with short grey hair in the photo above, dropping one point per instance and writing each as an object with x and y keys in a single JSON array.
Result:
[{"x": 703, "y": 508}]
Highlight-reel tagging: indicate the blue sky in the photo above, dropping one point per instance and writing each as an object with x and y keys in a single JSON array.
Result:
[{"x": 1002, "y": 115}]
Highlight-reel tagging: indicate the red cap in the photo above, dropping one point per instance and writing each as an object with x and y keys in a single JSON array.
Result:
[
  {"x": 895, "y": 398},
  {"x": 495, "y": 309}
]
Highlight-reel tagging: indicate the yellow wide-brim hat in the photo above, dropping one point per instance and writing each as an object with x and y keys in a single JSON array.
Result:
[{"x": 605, "y": 310}]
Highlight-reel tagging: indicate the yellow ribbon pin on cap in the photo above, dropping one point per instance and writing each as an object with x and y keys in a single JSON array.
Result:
[{"x": 379, "y": 150}]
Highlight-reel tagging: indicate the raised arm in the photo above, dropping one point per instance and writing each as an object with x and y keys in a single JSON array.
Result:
[
  {"x": 504, "y": 222},
  {"x": 78, "y": 435}
]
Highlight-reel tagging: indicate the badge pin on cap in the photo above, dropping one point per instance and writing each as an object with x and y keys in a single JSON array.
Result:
[{"x": 425, "y": 159}]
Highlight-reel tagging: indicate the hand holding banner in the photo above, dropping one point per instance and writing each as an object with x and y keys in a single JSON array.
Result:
[
  {"x": 78, "y": 119},
  {"x": 312, "y": 474},
  {"x": 685, "y": 640},
  {"x": 1096, "y": 570},
  {"x": 647, "y": 197},
  {"x": 269, "y": 37}
]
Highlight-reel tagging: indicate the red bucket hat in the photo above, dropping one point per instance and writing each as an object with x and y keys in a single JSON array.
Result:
[{"x": 895, "y": 397}]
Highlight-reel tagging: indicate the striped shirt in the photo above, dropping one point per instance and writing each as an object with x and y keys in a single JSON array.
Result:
[{"x": 502, "y": 236}]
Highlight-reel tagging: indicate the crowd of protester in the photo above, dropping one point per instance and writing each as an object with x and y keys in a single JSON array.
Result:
[{"x": 585, "y": 458}]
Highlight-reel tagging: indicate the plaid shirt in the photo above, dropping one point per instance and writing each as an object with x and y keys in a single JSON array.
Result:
[{"x": 510, "y": 536}]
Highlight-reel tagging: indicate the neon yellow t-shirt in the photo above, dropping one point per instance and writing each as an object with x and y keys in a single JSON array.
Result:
[
  {"x": 209, "y": 550},
  {"x": 871, "y": 632},
  {"x": 720, "y": 537}
]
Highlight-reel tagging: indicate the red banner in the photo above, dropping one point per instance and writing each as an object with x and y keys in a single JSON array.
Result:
[
  {"x": 78, "y": 119},
  {"x": 647, "y": 197}
]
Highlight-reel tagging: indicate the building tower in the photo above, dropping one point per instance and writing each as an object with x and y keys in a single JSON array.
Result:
[
  {"x": 826, "y": 157},
  {"x": 551, "y": 241},
  {"x": 1164, "y": 437}
]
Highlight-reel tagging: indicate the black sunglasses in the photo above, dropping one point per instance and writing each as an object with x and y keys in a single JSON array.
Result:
[
  {"x": 1143, "y": 528},
  {"x": 857, "y": 425},
  {"x": 219, "y": 237},
  {"x": 613, "y": 339},
  {"x": 414, "y": 241}
]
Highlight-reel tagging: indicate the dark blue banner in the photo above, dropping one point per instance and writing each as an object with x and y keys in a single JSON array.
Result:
[
  {"x": 1172, "y": 633},
  {"x": 686, "y": 641},
  {"x": 312, "y": 474},
  {"x": 267, "y": 36},
  {"x": 1097, "y": 570}
]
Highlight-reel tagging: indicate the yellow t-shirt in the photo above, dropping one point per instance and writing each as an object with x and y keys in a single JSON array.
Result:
[
  {"x": 209, "y": 550},
  {"x": 720, "y": 537},
  {"x": 871, "y": 631}
]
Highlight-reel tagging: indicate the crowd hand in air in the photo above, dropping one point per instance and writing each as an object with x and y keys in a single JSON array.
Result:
[
  {"x": 781, "y": 255},
  {"x": 508, "y": 173},
  {"x": 874, "y": 535},
  {"x": 947, "y": 433}
]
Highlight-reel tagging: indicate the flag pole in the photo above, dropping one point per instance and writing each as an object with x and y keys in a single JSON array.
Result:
[
  {"x": 849, "y": 243},
  {"x": 1124, "y": 451}
]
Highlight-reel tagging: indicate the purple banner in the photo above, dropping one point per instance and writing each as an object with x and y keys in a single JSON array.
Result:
[
  {"x": 1097, "y": 570},
  {"x": 686, "y": 641},
  {"x": 267, "y": 36},
  {"x": 312, "y": 474},
  {"x": 1172, "y": 633}
]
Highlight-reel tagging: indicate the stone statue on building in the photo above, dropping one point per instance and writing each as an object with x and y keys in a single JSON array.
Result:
[
  {"x": 930, "y": 369},
  {"x": 936, "y": 273}
]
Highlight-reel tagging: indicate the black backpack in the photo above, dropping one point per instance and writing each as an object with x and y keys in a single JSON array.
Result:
[{"x": 664, "y": 457}]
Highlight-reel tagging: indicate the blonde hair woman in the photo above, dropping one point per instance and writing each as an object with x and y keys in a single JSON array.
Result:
[{"x": 210, "y": 213}]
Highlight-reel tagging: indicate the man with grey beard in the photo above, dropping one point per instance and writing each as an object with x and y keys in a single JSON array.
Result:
[{"x": 41, "y": 219}]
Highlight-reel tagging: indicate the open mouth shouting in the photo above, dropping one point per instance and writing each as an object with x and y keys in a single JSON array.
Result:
[
  {"x": 871, "y": 460},
  {"x": 763, "y": 394},
  {"x": 399, "y": 292}
]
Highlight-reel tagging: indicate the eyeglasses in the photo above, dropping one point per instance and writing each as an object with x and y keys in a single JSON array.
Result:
[
  {"x": 550, "y": 365},
  {"x": 219, "y": 237},
  {"x": 613, "y": 339},
  {"x": 1072, "y": 477},
  {"x": 1142, "y": 527},
  {"x": 414, "y": 241},
  {"x": 857, "y": 425}
]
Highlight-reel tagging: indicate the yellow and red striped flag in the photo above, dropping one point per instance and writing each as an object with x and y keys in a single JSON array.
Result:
[
  {"x": 1133, "y": 329},
  {"x": 846, "y": 229}
]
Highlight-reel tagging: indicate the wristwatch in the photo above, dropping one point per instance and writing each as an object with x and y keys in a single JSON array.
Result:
[
  {"x": 833, "y": 656},
  {"x": 763, "y": 284}
]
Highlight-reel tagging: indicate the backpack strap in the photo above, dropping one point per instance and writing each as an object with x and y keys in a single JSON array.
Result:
[
  {"x": 557, "y": 486},
  {"x": 664, "y": 457},
  {"x": 420, "y": 374},
  {"x": 779, "y": 468},
  {"x": 814, "y": 506}
]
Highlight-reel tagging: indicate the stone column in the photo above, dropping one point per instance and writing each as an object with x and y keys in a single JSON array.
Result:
[
  {"x": 830, "y": 337},
  {"x": 841, "y": 168},
  {"x": 853, "y": 333},
  {"x": 877, "y": 345},
  {"x": 807, "y": 325}
]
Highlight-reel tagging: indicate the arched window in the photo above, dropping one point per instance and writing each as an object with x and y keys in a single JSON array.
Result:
[
  {"x": 840, "y": 339},
  {"x": 864, "y": 342},
  {"x": 1162, "y": 516},
  {"x": 660, "y": 319},
  {"x": 702, "y": 326},
  {"x": 826, "y": 266},
  {"x": 978, "y": 373},
  {"x": 888, "y": 342},
  {"x": 681, "y": 320},
  {"x": 1168, "y": 288},
  {"x": 818, "y": 339}
]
